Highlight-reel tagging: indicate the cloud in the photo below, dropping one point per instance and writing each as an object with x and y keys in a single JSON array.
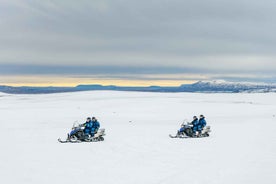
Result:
[{"x": 211, "y": 36}]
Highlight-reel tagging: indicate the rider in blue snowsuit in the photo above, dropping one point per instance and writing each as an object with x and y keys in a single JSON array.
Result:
[
  {"x": 95, "y": 126},
  {"x": 195, "y": 124},
  {"x": 88, "y": 125},
  {"x": 201, "y": 123}
]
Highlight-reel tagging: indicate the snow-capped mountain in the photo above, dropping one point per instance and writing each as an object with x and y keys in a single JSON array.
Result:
[{"x": 224, "y": 86}]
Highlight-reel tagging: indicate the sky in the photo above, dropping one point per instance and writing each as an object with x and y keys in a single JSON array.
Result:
[{"x": 145, "y": 42}]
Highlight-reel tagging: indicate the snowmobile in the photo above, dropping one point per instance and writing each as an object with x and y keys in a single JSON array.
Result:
[
  {"x": 188, "y": 131},
  {"x": 77, "y": 135}
]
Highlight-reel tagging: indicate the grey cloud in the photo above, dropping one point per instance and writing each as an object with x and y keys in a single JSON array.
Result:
[
  {"x": 106, "y": 71},
  {"x": 210, "y": 35}
]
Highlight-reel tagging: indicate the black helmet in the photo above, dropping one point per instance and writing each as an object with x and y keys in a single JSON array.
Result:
[
  {"x": 88, "y": 118},
  {"x": 194, "y": 117}
]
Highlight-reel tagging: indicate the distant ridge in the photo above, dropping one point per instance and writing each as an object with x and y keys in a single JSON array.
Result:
[{"x": 200, "y": 86}]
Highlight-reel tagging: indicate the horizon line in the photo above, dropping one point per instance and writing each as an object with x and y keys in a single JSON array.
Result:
[
  {"x": 125, "y": 85},
  {"x": 91, "y": 84}
]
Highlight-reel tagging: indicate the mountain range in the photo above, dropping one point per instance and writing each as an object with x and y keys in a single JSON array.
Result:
[{"x": 200, "y": 86}]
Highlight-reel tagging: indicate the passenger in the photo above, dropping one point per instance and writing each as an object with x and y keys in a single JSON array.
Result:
[
  {"x": 201, "y": 123},
  {"x": 95, "y": 126},
  {"x": 88, "y": 127}
]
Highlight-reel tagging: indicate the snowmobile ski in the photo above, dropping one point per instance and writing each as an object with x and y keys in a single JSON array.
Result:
[
  {"x": 171, "y": 136},
  {"x": 69, "y": 141},
  {"x": 179, "y": 136}
]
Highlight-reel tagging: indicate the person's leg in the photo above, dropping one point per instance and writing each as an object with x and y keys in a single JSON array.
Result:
[
  {"x": 86, "y": 133},
  {"x": 92, "y": 132},
  {"x": 199, "y": 129},
  {"x": 194, "y": 129}
]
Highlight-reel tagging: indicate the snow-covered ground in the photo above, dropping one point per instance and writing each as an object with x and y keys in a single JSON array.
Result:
[{"x": 137, "y": 148}]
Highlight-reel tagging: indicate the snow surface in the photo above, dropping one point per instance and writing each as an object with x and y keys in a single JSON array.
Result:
[{"x": 137, "y": 148}]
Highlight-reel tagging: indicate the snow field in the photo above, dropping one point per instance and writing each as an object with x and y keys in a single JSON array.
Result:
[{"x": 137, "y": 148}]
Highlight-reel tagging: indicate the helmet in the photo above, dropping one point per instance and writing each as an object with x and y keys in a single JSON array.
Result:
[
  {"x": 201, "y": 116},
  {"x": 88, "y": 118},
  {"x": 194, "y": 117}
]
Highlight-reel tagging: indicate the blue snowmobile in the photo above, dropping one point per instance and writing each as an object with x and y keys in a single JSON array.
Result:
[
  {"x": 186, "y": 131},
  {"x": 77, "y": 135}
]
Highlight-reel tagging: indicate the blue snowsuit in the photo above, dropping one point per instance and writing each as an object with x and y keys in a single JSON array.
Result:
[
  {"x": 201, "y": 123},
  {"x": 95, "y": 127},
  {"x": 88, "y": 127},
  {"x": 195, "y": 125}
]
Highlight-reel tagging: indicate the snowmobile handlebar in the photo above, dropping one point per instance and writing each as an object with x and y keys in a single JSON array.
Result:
[
  {"x": 78, "y": 125},
  {"x": 186, "y": 123}
]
